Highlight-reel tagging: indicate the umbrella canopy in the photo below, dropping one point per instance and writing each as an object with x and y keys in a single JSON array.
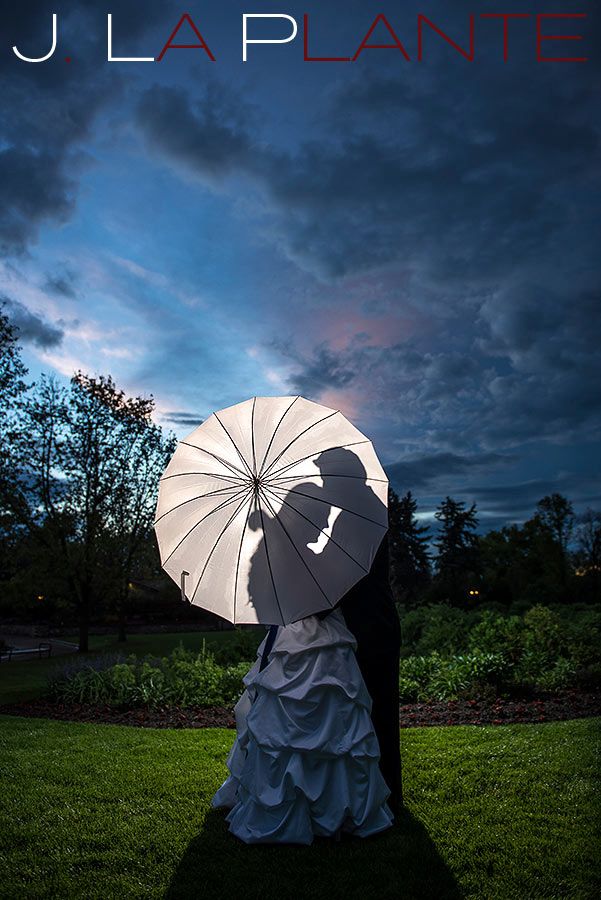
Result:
[{"x": 271, "y": 510}]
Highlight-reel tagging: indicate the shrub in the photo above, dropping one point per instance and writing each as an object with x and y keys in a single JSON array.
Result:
[
  {"x": 560, "y": 675},
  {"x": 496, "y": 633},
  {"x": 438, "y": 627},
  {"x": 480, "y": 653},
  {"x": 438, "y": 678},
  {"x": 542, "y": 630},
  {"x": 183, "y": 679},
  {"x": 583, "y": 638},
  {"x": 238, "y": 646}
]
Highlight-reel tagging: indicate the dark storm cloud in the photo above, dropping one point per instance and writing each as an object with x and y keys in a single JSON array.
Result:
[
  {"x": 473, "y": 190},
  {"x": 208, "y": 137},
  {"x": 524, "y": 378},
  {"x": 430, "y": 479},
  {"x": 48, "y": 109},
  {"x": 538, "y": 326},
  {"x": 472, "y": 184},
  {"x": 424, "y": 471},
  {"x": 525, "y": 495},
  {"x": 34, "y": 187},
  {"x": 402, "y": 381},
  {"x": 32, "y": 328},
  {"x": 62, "y": 284},
  {"x": 550, "y": 336},
  {"x": 324, "y": 369},
  {"x": 183, "y": 418},
  {"x": 519, "y": 500}
]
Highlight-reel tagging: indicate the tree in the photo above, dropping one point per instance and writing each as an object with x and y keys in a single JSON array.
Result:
[
  {"x": 143, "y": 457},
  {"x": 408, "y": 542},
  {"x": 588, "y": 554},
  {"x": 12, "y": 391},
  {"x": 514, "y": 563},
  {"x": 555, "y": 515},
  {"x": 90, "y": 463},
  {"x": 12, "y": 373},
  {"x": 588, "y": 532},
  {"x": 457, "y": 561}
]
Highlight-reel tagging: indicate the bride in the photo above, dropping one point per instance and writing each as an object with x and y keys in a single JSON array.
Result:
[{"x": 305, "y": 761}]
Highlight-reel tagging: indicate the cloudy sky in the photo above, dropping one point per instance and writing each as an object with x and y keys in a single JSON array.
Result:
[{"x": 413, "y": 242}]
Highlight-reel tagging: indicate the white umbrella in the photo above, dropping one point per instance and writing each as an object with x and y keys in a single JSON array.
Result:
[{"x": 271, "y": 510}]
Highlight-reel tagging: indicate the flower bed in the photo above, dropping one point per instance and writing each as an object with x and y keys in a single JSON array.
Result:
[{"x": 564, "y": 705}]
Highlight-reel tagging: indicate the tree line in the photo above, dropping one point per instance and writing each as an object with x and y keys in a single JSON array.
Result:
[
  {"x": 79, "y": 473},
  {"x": 553, "y": 557}
]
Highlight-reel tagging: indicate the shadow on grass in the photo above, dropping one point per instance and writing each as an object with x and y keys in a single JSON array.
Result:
[{"x": 402, "y": 862}]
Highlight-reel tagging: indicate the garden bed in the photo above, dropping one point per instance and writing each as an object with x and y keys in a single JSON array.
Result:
[
  {"x": 564, "y": 705},
  {"x": 569, "y": 704}
]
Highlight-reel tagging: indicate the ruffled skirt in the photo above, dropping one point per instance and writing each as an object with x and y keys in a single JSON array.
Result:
[{"x": 305, "y": 761}]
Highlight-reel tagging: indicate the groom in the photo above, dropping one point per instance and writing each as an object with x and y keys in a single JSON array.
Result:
[{"x": 370, "y": 614}]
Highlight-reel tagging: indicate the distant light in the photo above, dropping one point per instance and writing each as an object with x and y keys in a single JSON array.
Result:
[
  {"x": 474, "y": 593},
  {"x": 40, "y": 596},
  {"x": 587, "y": 569}
]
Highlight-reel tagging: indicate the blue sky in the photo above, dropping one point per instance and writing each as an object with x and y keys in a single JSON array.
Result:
[{"x": 415, "y": 243}]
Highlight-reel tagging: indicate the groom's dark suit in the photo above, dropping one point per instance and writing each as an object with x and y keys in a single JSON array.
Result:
[
  {"x": 370, "y": 614},
  {"x": 368, "y": 608}
]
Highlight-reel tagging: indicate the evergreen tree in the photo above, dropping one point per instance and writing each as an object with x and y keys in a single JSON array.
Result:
[
  {"x": 457, "y": 561},
  {"x": 409, "y": 556}
]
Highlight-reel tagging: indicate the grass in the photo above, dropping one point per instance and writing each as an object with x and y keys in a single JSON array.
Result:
[
  {"x": 26, "y": 679},
  {"x": 159, "y": 643},
  {"x": 102, "y": 811}
]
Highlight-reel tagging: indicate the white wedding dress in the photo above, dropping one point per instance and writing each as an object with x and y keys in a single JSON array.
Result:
[{"x": 305, "y": 758}]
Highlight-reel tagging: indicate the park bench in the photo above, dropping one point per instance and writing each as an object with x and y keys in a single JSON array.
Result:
[{"x": 9, "y": 652}]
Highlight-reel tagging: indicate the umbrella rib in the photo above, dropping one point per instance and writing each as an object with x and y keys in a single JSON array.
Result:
[
  {"x": 224, "y": 462},
  {"x": 235, "y": 446},
  {"x": 220, "y": 535},
  {"x": 310, "y": 455},
  {"x": 200, "y": 521},
  {"x": 208, "y": 474},
  {"x": 319, "y": 500},
  {"x": 239, "y": 557},
  {"x": 231, "y": 487},
  {"x": 328, "y": 475},
  {"x": 299, "y": 435},
  {"x": 330, "y": 538},
  {"x": 300, "y": 556},
  {"x": 266, "y": 454},
  {"x": 275, "y": 590},
  {"x": 252, "y": 435}
]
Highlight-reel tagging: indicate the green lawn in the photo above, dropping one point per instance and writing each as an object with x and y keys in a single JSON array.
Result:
[
  {"x": 26, "y": 679},
  {"x": 102, "y": 811},
  {"x": 158, "y": 644}
]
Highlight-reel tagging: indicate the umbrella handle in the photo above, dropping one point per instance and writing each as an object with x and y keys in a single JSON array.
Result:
[
  {"x": 183, "y": 586},
  {"x": 273, "y": 630}
]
